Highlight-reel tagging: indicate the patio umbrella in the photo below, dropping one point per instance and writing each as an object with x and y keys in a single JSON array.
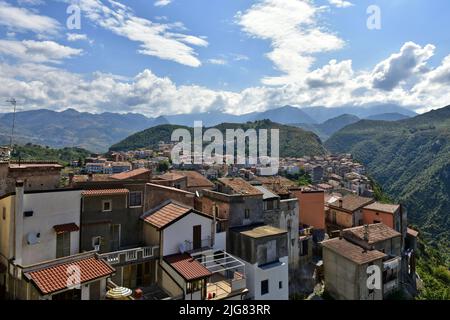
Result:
[{"x": 118, "y": 293}]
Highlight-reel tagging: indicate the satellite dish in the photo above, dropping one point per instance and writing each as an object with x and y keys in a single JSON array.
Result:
[
  {"x": 32, "y": 238},
  {"x": 182, "y": 247}
]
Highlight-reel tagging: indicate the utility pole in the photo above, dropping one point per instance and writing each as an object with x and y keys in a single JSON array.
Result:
[{"x": 14, "y": 104}]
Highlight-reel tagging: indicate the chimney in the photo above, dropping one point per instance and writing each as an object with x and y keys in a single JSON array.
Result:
[
  {"x": 90, "y": 176},
  {"x": 340, "y": 203},
  {"x": 366, "y": 233},
  {"x": 18, "y": 222}
]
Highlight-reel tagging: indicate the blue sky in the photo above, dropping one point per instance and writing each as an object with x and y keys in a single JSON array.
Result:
[{"x": 164, "y": 57}]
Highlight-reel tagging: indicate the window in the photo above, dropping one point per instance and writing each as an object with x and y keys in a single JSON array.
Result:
[
  {"x": 96, "y": 242},
  {"x": 247, "y": 214},
  {"x": 270, "y": 205},
  {"x": 264, "y": 287},
  {"x": 304, "y": 248},
  {"x": 280, "y": 285},
  {"x": 135, "y": 199},
  {"x": 106, "y": 205},
  {"x": 62, "y": 244},
  {"x": 4, "y": 213}
]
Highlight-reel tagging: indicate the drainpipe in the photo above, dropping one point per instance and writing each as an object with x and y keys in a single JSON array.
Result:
[
  {"x": 18, "y": 222},
  {"x": 213, "y": 229}
]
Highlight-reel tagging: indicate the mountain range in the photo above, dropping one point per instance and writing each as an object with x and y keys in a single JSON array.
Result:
[
  {"x": 97, "y": 132},
  {"x": 293, "y": 141},
  {"x": 410, "y": 158}
]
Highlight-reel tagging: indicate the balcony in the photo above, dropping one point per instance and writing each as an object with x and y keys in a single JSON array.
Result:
[
  {"x": 204, "y": 244},
  {"x": 130, "y": 255},
  {"x": 228, "y": 279}
]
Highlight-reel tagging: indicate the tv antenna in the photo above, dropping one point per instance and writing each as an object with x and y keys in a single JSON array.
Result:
[{"x": 14, "y": 104}]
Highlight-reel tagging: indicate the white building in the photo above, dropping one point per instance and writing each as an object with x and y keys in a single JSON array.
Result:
[
  {"x": 192, "y": 263},
  {"x": 39, "y": 232}
]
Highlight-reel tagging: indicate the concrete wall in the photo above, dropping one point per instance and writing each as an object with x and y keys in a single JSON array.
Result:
[
  {"x": 34, "y": 178},
  {"x": 311, "y": 208},
  {"x": 346, "y": 280},
  {"x": 6, "y": 225},
  {"x": 156, "y": 194},
  {"x": 182, "y": 230},
  {"x": 232, "y": 207},
  {"x": 275, "y": 274},
  {"x": 49, "y": 209},
  {"x": 3, "y": 177},
  {"x": 95, "y": 222}
]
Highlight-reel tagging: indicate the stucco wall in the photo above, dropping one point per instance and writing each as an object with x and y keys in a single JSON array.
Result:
[
  {"x": 311, "y": 208},
  {"x": 49, "y": 209},
  {"x": 182, "y": 230}
]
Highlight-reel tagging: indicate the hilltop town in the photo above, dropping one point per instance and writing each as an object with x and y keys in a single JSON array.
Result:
[{"x": 132, "y": 225}]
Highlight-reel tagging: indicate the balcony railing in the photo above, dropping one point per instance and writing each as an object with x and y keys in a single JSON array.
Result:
[
  {"x": 205, "y": 243},
  {"x": 130, "y": 255}
]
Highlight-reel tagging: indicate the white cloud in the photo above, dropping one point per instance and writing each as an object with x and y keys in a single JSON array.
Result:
[
  {"x": 37, "y": 51},
  {"x": 341, "y": 3},
  {"x": 162, "y": 3},
  {"x": 31, "y": 2},
  {"x": 217, "y": 61},
  {"x": 22, "y": 20},
  {"x": 155, "y": 39},
  {"x": 399, "y": 67},
  {"x": 76, "y": 37},
  {"x": 292, "y": 28}
]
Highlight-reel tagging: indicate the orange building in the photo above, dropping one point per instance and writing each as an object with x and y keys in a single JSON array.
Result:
[
  {"x": 312, "y": 207},
  {"x": 389, "y": 214}
]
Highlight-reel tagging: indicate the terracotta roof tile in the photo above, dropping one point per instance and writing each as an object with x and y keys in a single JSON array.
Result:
[
  {"x": 189, "y": 268},
  {"x": 412, "y": 232},
  {"x": 383, "y": 207},
  {"x": 130, "y": 174},
  {"x": 377, "y": 232},
  {"x": 55, "y": 278},
  {"x": 166, "y": 214},
  {"x": 104, "y": 192},
  {"x": 352, "y": 251},
  {"x": 170, "y": 176},
  {"x": 352, "y": 202},
  {"x": 194, "y": 179},
  {"x": 240, "y": 186}
]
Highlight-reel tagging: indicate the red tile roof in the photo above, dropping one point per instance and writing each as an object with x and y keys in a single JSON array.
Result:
[
  {"x": 240, "y": 186},
  {"x": 194, "y": 178},
  {"x": 55, "y": 278},
  {"x": 130, "y": 174},
  {"x": 383, "y": 207},
  {"x": 351, "y": 251},
  {"x": 104, "y": 192},
  {"x": 166, "y": 214},
  {"x": 412, "y": 232},
  {"x": 189, "y": 268},
  {"x": 351, "y": 202},
  {"x": 377, "y": 232},
  {"x": 68, "y": 227}
]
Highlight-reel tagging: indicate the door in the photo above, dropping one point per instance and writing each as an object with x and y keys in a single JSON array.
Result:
[
  {"x": 115, "y": 237},
  {"x": 197, "y": 237}
]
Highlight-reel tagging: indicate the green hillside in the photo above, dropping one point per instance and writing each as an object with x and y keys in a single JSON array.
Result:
[
  {"x": 36, "y": 152},
  {"x": 293, "y": 141},
  {"x": 411, "y": 160}
]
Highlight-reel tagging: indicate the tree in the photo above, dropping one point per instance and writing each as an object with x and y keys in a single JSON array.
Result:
[{"x": 163, "y": 166}]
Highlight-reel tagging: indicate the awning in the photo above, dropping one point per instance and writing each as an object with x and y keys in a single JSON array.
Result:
[{"x": 68, "y": 227}]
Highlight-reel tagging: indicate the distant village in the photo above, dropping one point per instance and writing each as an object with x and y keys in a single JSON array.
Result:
[{"x": 132, "y": 225}]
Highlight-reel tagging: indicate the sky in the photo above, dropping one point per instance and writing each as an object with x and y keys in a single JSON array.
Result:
[{"x": 159, "y": 57}]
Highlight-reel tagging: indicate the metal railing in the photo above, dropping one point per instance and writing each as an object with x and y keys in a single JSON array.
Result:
[
  {"x": 129, "y": 255},
  {"x": 204, "y": 243}
]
